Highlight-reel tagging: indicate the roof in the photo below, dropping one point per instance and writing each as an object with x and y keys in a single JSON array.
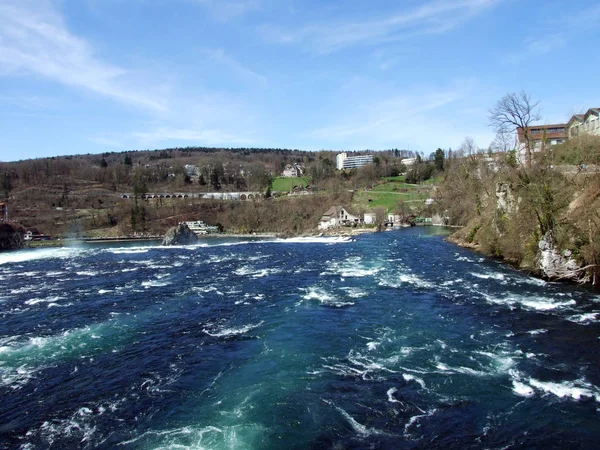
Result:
[
  {"x": 576, "y": 117},
  {"x": 591, "y": 111},
  {"x": 333, "y": 211}
]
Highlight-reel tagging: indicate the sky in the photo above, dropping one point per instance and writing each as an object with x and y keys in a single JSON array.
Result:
[{"x": 93, "y": 76}]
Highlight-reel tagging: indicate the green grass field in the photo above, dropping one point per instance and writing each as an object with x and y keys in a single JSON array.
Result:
[
  {"x": 281, "y": 184},
  {"x": 388, "y": 200},
  {"x": 390, "y": 193}
]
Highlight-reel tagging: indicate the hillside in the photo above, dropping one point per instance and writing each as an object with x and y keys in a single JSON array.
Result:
[
  {"x": 544, "y": 219},
  {"x": 145, "y": 192}
]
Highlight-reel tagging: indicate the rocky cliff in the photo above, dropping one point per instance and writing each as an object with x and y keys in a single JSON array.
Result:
[{"x": 540, "y": 219}]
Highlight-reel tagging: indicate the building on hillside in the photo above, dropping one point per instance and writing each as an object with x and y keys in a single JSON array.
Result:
[
  {"x": 292, "y": 171},
  {"x": 191, "y": 170},
  {"x": 343, "y": 161},
  {"x": 337, "y": 216},
  {"x": 370, "y": 218},
  {"x": 588, "y": 123},
  {"x": 409, "y": 161},
  {"x": 540, "y": 138},
  {"x": 201, "y": 228}
]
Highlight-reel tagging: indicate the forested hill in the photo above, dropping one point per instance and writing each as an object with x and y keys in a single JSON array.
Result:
[{"x": 85, "y": 194}]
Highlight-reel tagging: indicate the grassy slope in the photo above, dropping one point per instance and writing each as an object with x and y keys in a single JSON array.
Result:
[
  {"x": 282, "y": 184},
  {"x": 390, "y": 193}
]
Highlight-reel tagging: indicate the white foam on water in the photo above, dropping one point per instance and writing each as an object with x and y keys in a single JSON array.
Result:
[
  {"x": 159, "y": 281},
  {"x": 254, "y": 272},
  {"x": 413, "y": 422},
  {"x": 128, "y": 251},
  {"x": 316, "y": 240},
  {"x": 567, "y": 389},
  {"x": 350, "y": 268},
  {"x": 179, "y": 437},
  {"x": 226, "y": 332},
  {"x": 461, "y": 369},
  {"x": 87, "y": 273},
  {"x": 462, "y": 258},
  {"x": 533, "y": 281},
  {"x": 538, "y": 331},
  {"x": 403, "y": 279},
  {"x": 354, "y": 292},
  {"x": 324, "y": 297},
  {"x": 359, "y": 428},
  {"x": 35, "y": 301},
  {"x": 36, "y": 254},
  {"x": 390, "y": 395},
  {"x": 451, "y": 282},
  {"x": 522, "y": 389},
  {"x": 536, "y": 303},
  {"x": 407, "y": 377},
  {"x": 501, "y": 363},
  {"x": 372, "y": 345},
  {"x": 489, "y": 275},
  {"x": 584, "y": 319},
  {"x": 16, "y": 378}
]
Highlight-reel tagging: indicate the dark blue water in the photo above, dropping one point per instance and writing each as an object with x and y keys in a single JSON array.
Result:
[{"x": 393, "y": 340}]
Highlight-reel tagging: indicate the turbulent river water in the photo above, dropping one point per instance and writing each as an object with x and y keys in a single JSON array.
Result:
[{"x": 391, "y": 340}]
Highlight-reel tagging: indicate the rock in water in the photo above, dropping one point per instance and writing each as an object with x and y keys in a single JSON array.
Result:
[
  {"x": 179, "y": 235},
  {"x": 11, "y": 238}
]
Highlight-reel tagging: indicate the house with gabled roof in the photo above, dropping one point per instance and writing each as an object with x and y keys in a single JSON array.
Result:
[
  {"x": 337, "y": 216},
  {"x": 588, "y": 123}
]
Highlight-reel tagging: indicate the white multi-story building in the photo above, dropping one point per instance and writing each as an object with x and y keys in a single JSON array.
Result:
[{"x": 343, "y": 161}]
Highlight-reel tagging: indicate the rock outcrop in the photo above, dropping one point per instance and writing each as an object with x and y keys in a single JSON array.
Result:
[
  {"x": 179, "y": 235},
  {"x": 11, "y": 238},
  {"x": 554, "y": 264}
]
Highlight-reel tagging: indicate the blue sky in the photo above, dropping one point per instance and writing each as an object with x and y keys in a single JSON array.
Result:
[{"x": 89, "y": 76}]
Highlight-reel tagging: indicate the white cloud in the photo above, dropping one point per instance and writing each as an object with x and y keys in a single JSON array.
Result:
[
  {"x": 221, "y": 57},
  {"x": 35, "y": 40},
  {"x": 423, "y": 120},
  {"x": 429, "y": 18}
]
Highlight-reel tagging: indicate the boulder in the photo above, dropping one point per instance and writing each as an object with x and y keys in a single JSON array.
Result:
[
  {"x": 11, "y": 238},
  {"x": 179, "y": 235}
]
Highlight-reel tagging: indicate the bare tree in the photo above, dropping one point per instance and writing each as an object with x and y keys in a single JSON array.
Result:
[
  {"x": 519, "y": 111},
  {"x": 503, "y": 142},
  {"x": 468, "y": 147}
]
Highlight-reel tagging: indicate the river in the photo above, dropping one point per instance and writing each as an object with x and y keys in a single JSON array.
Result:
[{"x": 394, "y": 340}]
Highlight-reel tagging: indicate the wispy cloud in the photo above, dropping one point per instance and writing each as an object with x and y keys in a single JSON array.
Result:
[
  {"x": 35, "y": 40},
  {"x": 221, "y": 57},
  {"x": 403, "y": 120},
  {"x": 549, "y": 40},
  {"x": 535, "y": 47},
  {"x": 428, "y": 18}
]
